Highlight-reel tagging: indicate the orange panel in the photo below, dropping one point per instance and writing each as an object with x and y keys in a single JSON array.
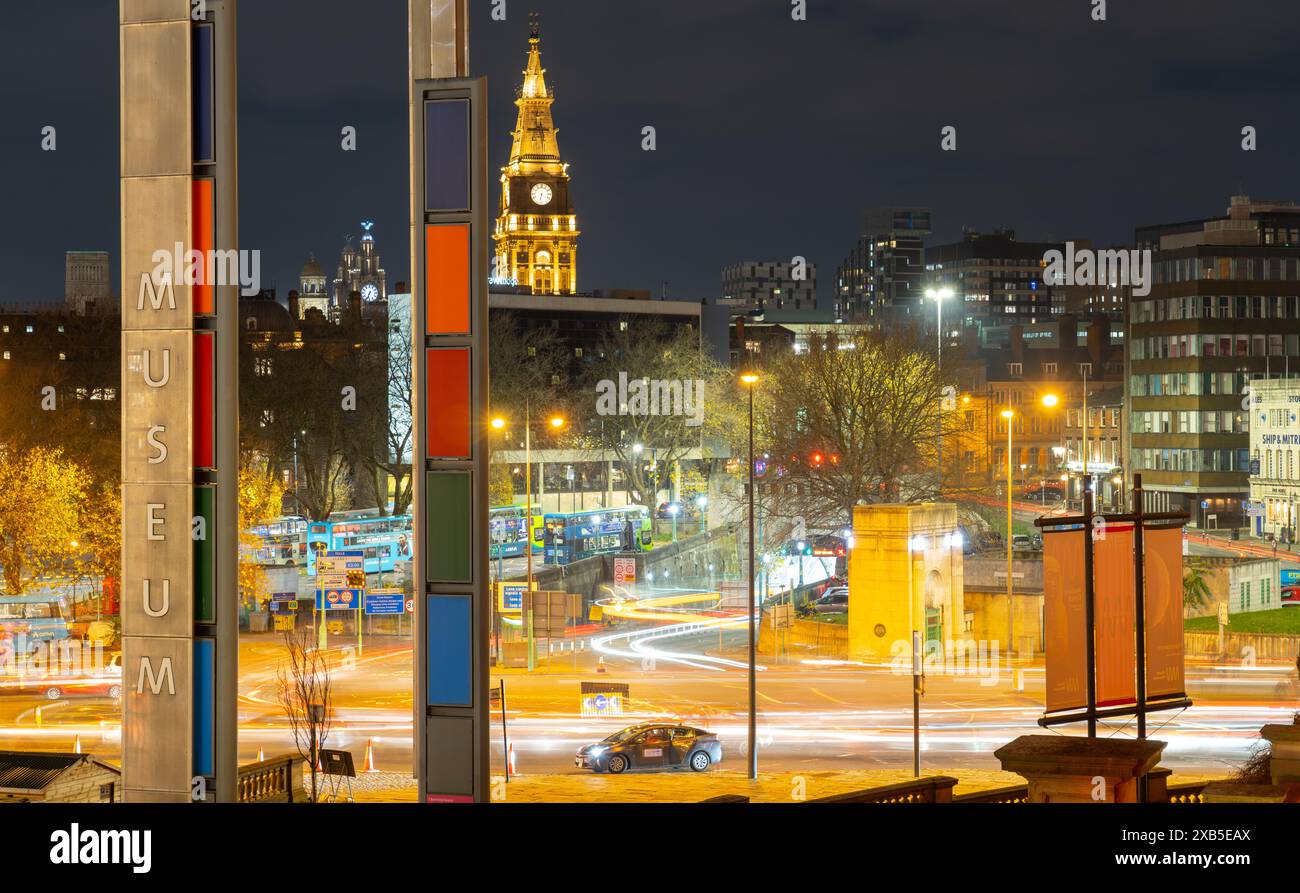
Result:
[
  {"x": 204, "y": 300},
  {"x": 447, "y": 373},
  {"x": 447, "y": 269}
]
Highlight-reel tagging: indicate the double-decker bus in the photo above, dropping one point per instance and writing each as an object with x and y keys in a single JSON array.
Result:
[
  {"x": 510, "y": 527},
  {"x": 385, "y": 540},
  {"x": 30, "y": 619},
  {"x": 578, "y": 535},
  {"x": 281, "y": 542}
]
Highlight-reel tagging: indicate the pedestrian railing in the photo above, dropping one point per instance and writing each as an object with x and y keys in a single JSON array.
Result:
[
  {"x": 1016, "y": 793},
  {"x": 1192, "y": 792},
  {"x": 277, "y": 780},
  {"x": 933, "y": 789}
]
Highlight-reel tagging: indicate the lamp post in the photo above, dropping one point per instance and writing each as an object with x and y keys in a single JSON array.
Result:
[
  {"x": 750, "y": 379},
  {"x": 938, "y": 295},
  {"x": 556, "y": 423},
  {"x": 673, "y": 509},
  {"x": 1008, "y": 415}
]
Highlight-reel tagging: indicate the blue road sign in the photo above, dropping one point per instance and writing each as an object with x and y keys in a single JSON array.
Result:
[{"x": 385, "y": 603}]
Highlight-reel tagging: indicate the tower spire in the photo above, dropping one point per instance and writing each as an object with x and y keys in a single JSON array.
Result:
[{"x": 537, "y": 229}]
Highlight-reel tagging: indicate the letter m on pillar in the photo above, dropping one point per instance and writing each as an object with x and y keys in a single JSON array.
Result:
[
  {"x": 156, "y": 294},
  {"x": 156, "y": 679}
]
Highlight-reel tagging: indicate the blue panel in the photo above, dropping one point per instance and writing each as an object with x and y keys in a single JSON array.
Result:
[
  {"x": 447, "y": 618},
  {"x": 205, "y": 701},
  {"x": 446, "y": 155},
  {"x": 203, "y": 94}
]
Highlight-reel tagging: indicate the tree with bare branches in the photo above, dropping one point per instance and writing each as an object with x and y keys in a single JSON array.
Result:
[
  {"x": 853, "y": 418},
  {"x": 305, "y": 693}
]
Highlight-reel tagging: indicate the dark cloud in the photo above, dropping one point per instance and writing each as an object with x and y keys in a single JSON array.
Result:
[{"x": 773, "y": 134}]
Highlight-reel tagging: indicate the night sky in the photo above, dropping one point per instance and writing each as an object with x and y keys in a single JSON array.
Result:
[{"x": 773, "y": 135}]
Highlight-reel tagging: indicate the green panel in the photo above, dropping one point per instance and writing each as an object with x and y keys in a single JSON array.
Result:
[
  {"x": 449, "y": 526},
  {"x": 205, "y": 567}
]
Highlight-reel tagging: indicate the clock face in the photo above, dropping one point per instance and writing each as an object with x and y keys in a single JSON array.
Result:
[
  {"x": 541, "y": 194},
  {"x": 370, "y": 292}
]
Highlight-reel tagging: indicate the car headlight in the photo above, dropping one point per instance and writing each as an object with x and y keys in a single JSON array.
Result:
[{"x": 597, "y": 750}]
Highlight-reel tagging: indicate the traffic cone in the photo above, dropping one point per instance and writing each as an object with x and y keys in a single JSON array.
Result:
[
  {"x": 38, "y": 717},
  {"x": 76, "y": 745},
  {"x": 600, "y": 664},
  {"x": 511, "y": 769},
  {"x": 370, "y": 756},
  {"x": 261, "y": 754}
]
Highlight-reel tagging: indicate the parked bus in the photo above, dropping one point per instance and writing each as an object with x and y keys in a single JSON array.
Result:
[
  {"x": 578, "y": 535},
  {"x": 508, "y": 530},
  {"x": 30, "y": 619},
  {"x": 281, "y": 542},
  {"x": 385, "y": 540}
]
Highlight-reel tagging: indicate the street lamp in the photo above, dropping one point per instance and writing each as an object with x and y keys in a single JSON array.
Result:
[
  {"x": 556, "y": 423},
  {"x": 938, "y": 295},
  {"x": 750, "y": 379},
  {"x": 1008, "y": 415},
  {"x": 673, "y": 509}
]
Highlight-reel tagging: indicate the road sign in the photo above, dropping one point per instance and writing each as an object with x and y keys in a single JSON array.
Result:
[
  {"x": 602, "y": 705},
  {"x": 410, "y": 606},
  {"x": 550, "y": 612},
  {"x": 341, "y": 570},
  {"x": 510, "y": 597},
  {"x": 338, "y": 599},
  {"x": 385, "y": 602},
  {"x": 624, "y": 571},
  {"x": 781, "y": 616}
]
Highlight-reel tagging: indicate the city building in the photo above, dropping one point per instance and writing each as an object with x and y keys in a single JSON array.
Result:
[
  {"x": 886, "y": 267},
  {"x": 1223, "y": 311},
  {"x": 536, "y": 233},
  {"x": 1095, "y": 449},
  {"x": 86, "y": 287},
  {"x": 1017, "y": 376},
  {"x": 995, "y": 279},
  {"x": 313, "y": 293},
  {"x": 360, "y": 270},
  {"x": 1274, "y": 442},
  {"x": 1254, "y": 586},
  {"x": 760, "y": 286},
  {"x": 58, "y": 778}
]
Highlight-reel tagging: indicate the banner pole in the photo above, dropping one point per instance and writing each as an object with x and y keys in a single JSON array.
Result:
[
  {"x": 1139, "y": 596},
  {"x": 1088, "y": 608}
]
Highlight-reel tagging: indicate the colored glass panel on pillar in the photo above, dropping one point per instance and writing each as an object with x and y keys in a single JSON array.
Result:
[
  {"x": 205, "y": 573},
  {"x": 205, "y": 702},
  {"x": 205, "y": 400},
  {"x": 204, "y": 98},
  {"x": 447, "y": 291},
  {"x": 448, "y": 528},
  {"x": 447, "y": 621},
  {"x": 448, "y": 416},
  {"x": 204, "y": 222},
  {"x": 446, "y": 155}
]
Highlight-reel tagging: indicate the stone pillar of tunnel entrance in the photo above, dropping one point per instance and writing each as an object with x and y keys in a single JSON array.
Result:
[{"x": 905, "y": 574}]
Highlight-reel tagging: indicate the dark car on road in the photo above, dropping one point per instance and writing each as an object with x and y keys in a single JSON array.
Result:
[
  {"x": 652, "y": 746},
  {"x": 832, "y": 601}
]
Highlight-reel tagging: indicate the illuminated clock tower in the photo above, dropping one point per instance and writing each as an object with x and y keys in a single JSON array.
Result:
[{"x": 537, "y": 231}]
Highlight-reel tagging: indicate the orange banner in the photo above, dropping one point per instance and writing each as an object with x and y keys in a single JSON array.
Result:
[
  {"x": 1164, "y": 611},
  {"x": 1064, "y": 619},
  {"x": 1115, "y": 615}
]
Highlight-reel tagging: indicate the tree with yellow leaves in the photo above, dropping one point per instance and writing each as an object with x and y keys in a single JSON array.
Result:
[
  {"x": 260, "y": 499},
  {"x": 41, "y": 498}
]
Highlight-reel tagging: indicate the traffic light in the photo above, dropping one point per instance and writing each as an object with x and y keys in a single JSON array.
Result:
[{"x": 816, "y": 459}]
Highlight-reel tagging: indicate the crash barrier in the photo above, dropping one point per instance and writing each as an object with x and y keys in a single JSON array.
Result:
[{"x": 276, "y": 780}]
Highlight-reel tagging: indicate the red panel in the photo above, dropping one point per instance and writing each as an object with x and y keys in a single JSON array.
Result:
[
  {"x": 447, "y": 374},
  {"x": 205, "y": 403},
  {"x": 204, "y": 291}
]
